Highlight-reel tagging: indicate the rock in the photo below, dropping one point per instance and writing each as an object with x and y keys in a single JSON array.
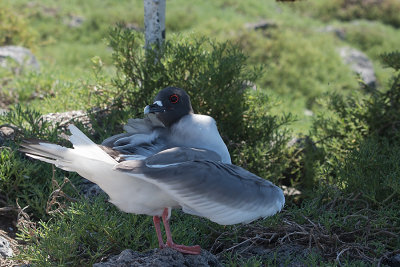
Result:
[
  {"x": 20, "y": 55},
  {"x": 339, "y": 32},
  {"x": 301, "y": 142},
  {"x": 394, "y": 261},
  {"x": 360, "y": 64},
  {"x": 159, "y": 258},
  {"x": 249, "y": 85},
  {"x": 260, "y": 25},
  {"x": 64, "y": 118},
  {"x": 43, "y": 10},
  {"x": 91, "y": 190},
  {"x": 308, "y": 113},
  {"x": 73, "y": 21},
  {"x": 6, "y": 133},
  {"x": 5, "y": 248},
  {"x": 290, "y": 191},
  {"x": 134, "y": 27}
]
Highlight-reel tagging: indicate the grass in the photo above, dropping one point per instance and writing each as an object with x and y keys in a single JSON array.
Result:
[
  {"x": 300, "y": 65},
  {"x": 296, "y": 54},
  {"x": 90, "y": 229}
]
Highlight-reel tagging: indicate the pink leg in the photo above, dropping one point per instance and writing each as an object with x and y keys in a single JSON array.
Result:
[
  {"x": 181, "y": 248},
  {"x": 156, "y": 221}
]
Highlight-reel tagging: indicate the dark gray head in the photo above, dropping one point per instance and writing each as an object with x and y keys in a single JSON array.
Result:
[{"x": 170, "y": 104}]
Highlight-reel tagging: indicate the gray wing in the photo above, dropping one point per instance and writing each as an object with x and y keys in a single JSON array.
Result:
[
  {"x": 224, "y": 193},
  {"x": 143, "y": 137},
  {"x": 178, "y": 155}
]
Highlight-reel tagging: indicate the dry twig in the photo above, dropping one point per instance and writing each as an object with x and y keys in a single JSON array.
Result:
[{"x": 58, "y": 194}]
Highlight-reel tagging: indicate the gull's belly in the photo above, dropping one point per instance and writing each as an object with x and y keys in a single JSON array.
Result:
[{"x": 134, "y": 195}]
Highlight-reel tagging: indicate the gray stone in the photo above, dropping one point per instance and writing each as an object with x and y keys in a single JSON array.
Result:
[
  {"x": 260, "y": 25},
  {"x": 6, "y": 133},
  {"x": 160, "y": 258},
  {"x": 339, "y": 32},
  {"x": 300, "y": 142},
  {"x": 91, "y": 190},
  {"x": 68, "y": 117},
  {"x": 134, "y": 27},
  {"x": 360, "y": 64},
  {"x": 5, "y": 248},
  {"x": 308, "y": 113},
  {"x": 74, "y": 21},
  {"x": 249, "y": 85},
  {"x": 63, "y": 119},
  {"x": 20, "y": 55},
  {"x": 290, "y": 191},
  {"x": 394, "y": 261}
]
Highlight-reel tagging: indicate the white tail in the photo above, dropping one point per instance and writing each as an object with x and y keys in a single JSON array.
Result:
[
  {"x": 66, "y": 158},
  {"x": 86, "y": 147}
]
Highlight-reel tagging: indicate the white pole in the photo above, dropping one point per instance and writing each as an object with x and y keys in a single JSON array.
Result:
[{"x": 154, "y": 22}]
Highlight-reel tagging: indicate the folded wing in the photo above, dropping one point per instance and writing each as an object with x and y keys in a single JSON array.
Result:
[
  {"x": 143, "y": 137},
  {"x": 204, "y": 186}
]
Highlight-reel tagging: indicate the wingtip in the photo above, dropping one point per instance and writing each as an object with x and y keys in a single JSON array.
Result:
[
  {"x": 72, "y": 127},
  {"x": 29, "y": 142},
  {"x": 281, "y": 199}
]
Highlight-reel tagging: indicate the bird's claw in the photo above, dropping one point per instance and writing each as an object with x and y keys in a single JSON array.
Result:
[{"x": 194, "y": 250}]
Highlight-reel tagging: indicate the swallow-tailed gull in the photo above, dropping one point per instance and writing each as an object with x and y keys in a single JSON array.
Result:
[{"x": 172, "y": 158}]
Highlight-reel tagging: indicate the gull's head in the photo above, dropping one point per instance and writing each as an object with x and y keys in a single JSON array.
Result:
[{"x": 170, "y": 104}]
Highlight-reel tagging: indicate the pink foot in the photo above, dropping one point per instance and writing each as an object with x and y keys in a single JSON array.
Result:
[{"x": 194, "y": 250}]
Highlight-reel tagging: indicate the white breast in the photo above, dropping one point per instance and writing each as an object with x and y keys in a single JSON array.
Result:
[{"x": 199, "y": 131}]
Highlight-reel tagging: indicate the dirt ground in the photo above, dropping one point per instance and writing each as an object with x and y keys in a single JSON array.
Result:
[{"x": 8, "y": 230}]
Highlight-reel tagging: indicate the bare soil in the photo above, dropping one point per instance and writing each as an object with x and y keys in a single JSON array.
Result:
[{"x": 8, "y": 230}]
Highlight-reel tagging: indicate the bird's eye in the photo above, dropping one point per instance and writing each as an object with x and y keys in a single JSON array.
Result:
[{"x": 174, "y": 98}]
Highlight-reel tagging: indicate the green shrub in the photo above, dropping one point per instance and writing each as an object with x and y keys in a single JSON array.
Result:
[
  {"x": 372, "y": 169},
  {"x": 261, "y": 147},
  {"x": 28, "y": 123},
  {"x": 387, "y": 11},
  {"x": 217, "y": 78},
  {"x": 342, "y": 128},
  {"x": 14, "y": 30},
  {"x": 27, "y": 181},
  {"x": 359, "y": 139}
]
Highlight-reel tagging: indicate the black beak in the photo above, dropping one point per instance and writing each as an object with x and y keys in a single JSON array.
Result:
[{"x": 154, "y": 108}]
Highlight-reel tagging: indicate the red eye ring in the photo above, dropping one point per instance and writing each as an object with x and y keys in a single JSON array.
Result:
[{"x": 174, "y": 98}]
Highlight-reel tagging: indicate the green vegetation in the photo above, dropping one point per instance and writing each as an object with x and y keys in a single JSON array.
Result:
[
  {"x": 386, "y": 11},
  {"x": 217, "y": 78},
  {"x": 14, "y": 29},
  {"x": 345, "y": 162}
]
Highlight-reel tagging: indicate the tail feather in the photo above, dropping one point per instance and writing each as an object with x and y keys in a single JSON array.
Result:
[
  {"x": 52, "y": 161},
  {"x": 66, "y": 158},
  {"x": 47, "y": 152},
  {"x": 40, "y": 148},
  {"x": 85, "y": 146}
]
